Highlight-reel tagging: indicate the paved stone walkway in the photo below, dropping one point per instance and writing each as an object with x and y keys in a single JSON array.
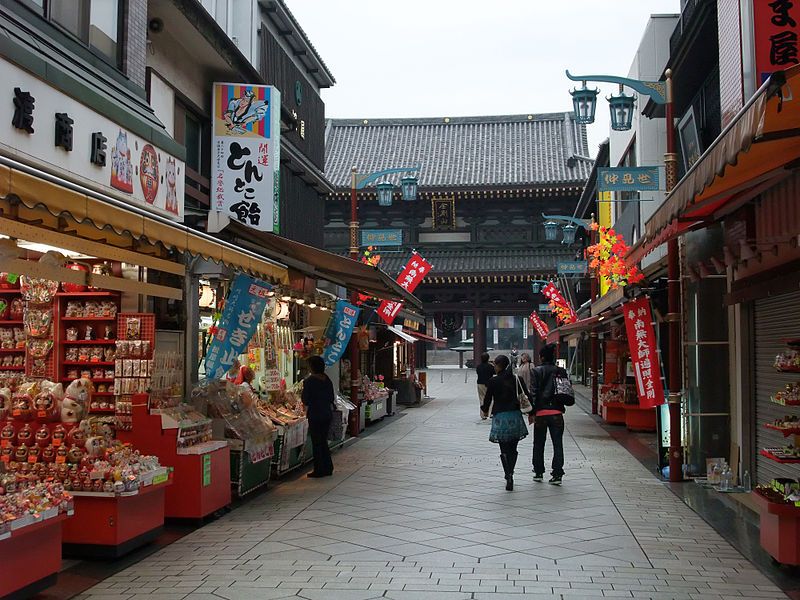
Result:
[{"x": 418, "y": 510}]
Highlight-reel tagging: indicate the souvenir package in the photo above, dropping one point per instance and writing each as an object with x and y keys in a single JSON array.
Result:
[
  {"x": 71, "y": 355},
  {"x": 74, "y": 310},
  {"x": 40, "y": 291},
  {"x": 39, "y": 348},
  {"x": 38, "y": 321},
  {"x": 16, "y": 310},
  {"x": 7, "y": 338},
  {"x": 72, "y": 334},
  {"x": 133, "y": 328},
  {"x": 38, "y": 367}
]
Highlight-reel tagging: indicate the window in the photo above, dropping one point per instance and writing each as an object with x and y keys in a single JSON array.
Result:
[
  {"x": 193, "y": 140},
  {"x": 96, "y": 23}
]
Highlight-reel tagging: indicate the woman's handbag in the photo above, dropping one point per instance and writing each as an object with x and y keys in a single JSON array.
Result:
[
  {"x": 525, "y": 405},
  {"x": 563, "y": 389}
]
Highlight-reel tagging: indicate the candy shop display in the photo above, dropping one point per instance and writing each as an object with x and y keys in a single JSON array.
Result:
[
  {"x": 372, "y": 391},
  {"x": 26, "y": 503},
  {"x": 789, "y": 396},
  {"x": 788, "y": 360},
  {"x": 237, "y": 406},
  {"x": 193, "y": 427},
  {"x": 133, "y": 363},
  {"x": 106, "y": 309}
]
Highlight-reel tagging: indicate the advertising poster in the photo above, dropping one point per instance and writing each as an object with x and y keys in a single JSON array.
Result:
[{"x": 340, "y": 328}]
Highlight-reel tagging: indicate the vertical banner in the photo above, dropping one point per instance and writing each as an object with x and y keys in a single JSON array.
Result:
[
  {"x": 340, "y": 328},
  {"x": 604, "y": 220},
  {"x": 644, "y": 355},
  {"x": 539, "y": 325},
  {"x": 775, "y": 33},
  {"x": 409, "y": 278},
  {"x": 240, "y": 318},
  {"x": 245, "y": 182}
]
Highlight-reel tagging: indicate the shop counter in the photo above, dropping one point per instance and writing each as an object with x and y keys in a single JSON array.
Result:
[
  {"x": 408, "y": 393},
  {"x": 779, "y": 529},
  {"x": 249, "y": 470},
  {"x": 377, "y": 409},
  {"x": 613, "y": 413},
  {"x": 201, "y": 473},
  {"x": 640, "y": 419},
  {"x": 108, "y": 525},
  {"x": 30, "y": 558}
]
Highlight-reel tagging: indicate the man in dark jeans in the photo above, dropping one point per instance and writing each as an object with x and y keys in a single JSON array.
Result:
[
  {"x": 485, "y": 372},
  {"x": 547, "y": 415},
  {"x": 318, "y": 396}
]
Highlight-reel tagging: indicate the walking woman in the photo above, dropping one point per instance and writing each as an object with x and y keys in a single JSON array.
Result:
[
  {"x": 525, "y": 369},
  {"x": 508, "y": 426},
  {"x": 547, "y": 415},
  {"x": 319, "y": 399}
]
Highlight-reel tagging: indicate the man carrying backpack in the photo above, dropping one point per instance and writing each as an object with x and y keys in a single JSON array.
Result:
[{"x": 551, "y": 392}]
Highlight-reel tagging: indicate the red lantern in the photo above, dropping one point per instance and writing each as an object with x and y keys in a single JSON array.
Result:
[{"x": 72, "y": 288}]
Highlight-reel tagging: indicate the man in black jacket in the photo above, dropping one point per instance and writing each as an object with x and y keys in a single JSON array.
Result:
[
  {"x": 485, "y": 372},
  {"x": 547, "y": 415}
]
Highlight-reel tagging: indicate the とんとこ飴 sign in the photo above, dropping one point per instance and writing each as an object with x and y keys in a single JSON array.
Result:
[
  {"x": 340, "y": 329},
  {"x": 644, "y": 354}
]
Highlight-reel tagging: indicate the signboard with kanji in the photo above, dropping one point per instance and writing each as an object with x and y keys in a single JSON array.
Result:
[
  {"x": 409, "y": 278},
  {"x": 644, "y": 354},
  {"x": 245, "y": 158},
  {"x": 443, "y": 214},
  {"x": 775, "y": 31},
  {"x": 381, "y": 237},
  {"x": 572, "y": 267},
  {"x": 627, "y": 179}
]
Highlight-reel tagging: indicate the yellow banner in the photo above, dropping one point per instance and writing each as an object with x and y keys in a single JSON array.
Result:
[{"x": 604, "y": 205}]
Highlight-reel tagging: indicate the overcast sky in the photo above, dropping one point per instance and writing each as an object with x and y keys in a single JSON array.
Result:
[{"x": 437, "y": 58}]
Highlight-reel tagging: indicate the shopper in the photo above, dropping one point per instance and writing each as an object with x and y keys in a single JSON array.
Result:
[
  {"x": 318, "y": 396},
  {"x": 485, "y": 372},
  {"x": 525, "y": 368},
  {"x": 547, "y": 415},
  {"x": 508, "y": 426}
]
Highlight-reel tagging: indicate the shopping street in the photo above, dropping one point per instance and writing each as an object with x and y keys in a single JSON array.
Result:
[{"x": 417, "y": 510}]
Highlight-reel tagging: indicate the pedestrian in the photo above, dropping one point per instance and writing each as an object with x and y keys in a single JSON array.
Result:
[
  {"x": 485, "y": 372},
  {"x": 318, "y": 396},
  {"x": 547, "y": 415},
  {"x": 508, "y": 426},
  {"x": 525, "y": 368}
]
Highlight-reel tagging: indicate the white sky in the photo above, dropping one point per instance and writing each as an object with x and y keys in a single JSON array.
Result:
[{"x": 437, "y": 58}]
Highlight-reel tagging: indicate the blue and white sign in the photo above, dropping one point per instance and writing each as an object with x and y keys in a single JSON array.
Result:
[
  {"x": 243, "y": 311},
  {"x": 627, "y": 179},
  {"x": 343, "y": 322},
  {"x": 381, "y": 237},
  {"x": 572, "y": 267}
]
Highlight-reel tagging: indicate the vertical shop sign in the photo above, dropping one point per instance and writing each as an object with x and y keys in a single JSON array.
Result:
[
  {"x": 243, "y": 311},
  {"x": 206, "y": 470},
  {"x": 644, "y": 357},
  {"x": 775, "y": 30},
  {"x": 340, "y": 328},
  {"x": 410, "y": 277},
  {"x": 539, "y": 325},
  {"x": 246, "y": 154}
]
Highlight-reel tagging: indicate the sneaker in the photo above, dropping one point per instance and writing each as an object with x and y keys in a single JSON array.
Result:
[
  {"x": 539, "y": 478},
  {"x": 555, "y": 480}
]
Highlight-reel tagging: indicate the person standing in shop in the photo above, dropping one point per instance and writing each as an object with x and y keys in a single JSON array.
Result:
[
  {"x": 318, "y": 396},
  {"x": 485, "y": 372},
  {"x": 547, "y": 415},
  {"x": 508, "y": 426}
]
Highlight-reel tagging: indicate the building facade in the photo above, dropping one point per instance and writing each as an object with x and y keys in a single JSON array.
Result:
[{"x": 484, "y": 184}]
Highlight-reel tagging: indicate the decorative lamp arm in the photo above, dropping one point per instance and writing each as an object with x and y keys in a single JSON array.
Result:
[
  {"x": 579, "y": 222},
  {"x": 362, "y": 181},
  {"x": 657, "y": 90}
]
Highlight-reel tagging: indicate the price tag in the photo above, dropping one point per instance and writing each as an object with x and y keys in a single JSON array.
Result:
[
  {"x": 5, "y": 443},
  {"x": 61, "y": 460},
  {"x": 16, "y": 412},
  {"x": 33, "y": 459},
  {"x": 160, "y": 478},
  {"x": 41, "y": 414},
  {"x": 6, "y": 458},
  {"x": 56, "y": 442}
]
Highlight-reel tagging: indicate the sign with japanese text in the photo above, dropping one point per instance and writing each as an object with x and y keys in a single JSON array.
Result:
[
  {"x": 627, "y": 179},
  {"x": 245, "y": 183},
  {"x": 572, "y": 267},
  {"x": 644, "y": 355},
  {"x": 340, "y": 328},
  {"x": 37, "y": 120},
  {"x": 775, "y": 31},
  {"x": 409, "y": 278},
  {"x": 443, "y": 213},
  {"x": 539, "y": 325},
  {"x": 604, "y": 220},
  {"x": 560, "y": 305},
  {"x": 240, "y": 318},
  {"x": 381, "y": 237}
]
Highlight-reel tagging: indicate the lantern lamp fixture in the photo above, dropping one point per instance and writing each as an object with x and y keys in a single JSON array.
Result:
[
  {"x": 584, "y": 103},
  {"x": 538, "y": 284},
  {"x": 569, "y": 228},
  {"x": 621, "y": 108},
  {"x": 385, "y": 189}
]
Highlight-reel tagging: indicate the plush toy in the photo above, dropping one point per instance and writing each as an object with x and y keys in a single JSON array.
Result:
[{"x": 77, "y": 397}]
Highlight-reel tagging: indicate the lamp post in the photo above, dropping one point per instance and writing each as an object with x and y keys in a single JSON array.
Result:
[
  {"x": 385, "y": 191},
  {"x": 621, "y": 117}
]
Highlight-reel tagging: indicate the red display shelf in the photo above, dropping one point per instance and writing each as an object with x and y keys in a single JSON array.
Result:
[
  {"x": 14, "y": 368},
  {"x": 102, "y": 411},
  {"x": 90, "y": 342},
  {"x": 771, "y": 456},
  {"x": 97, "y": 294},
  {"x": 103, "y": 394},
  {"x": 779, "y": 530},
  {"x": 202, "y": 482},
  {"x": 31, "y": 558},
  {"x": 11, "y": 350},
  {"x": 613, "y": 413},
  {"x": 111, "y": 526},
  {"x": 88, "y": 318},
  {"x": 15, "y": 291},
  {"x": 2, "y": 323},
  {"x": 86, "y": 363},
  {"x": 640, "y": 419},
  {"x": 790, "y": 403},
  {"x": 786, "y": 431},
  {"x": 787, "y": 370}
]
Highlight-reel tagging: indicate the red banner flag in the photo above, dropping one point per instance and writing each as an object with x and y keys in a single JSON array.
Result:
[
  {"x": 644, "y": 355},
  {"x": 409, "y": 278},
  {"x": 562, "y": 308},
  {"x": 539, "y": 325}
]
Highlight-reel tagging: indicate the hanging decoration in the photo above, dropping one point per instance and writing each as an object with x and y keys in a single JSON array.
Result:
[
  {"x": 539, "y": 325},
  {"x": 371, "y": 258},
  {"x": 560, "y": 306},
  {"x": 607, "y": 258},
  {"x": 409, "y": 278}
]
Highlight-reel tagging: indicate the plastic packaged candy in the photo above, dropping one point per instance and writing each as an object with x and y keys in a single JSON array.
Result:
[
  {"x": 39, "y": 348},
  {"x": 38, "y": 290},
  {"x": 38, "y": 321}
]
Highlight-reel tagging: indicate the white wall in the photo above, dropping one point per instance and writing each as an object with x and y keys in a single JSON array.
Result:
[
  {"x": 239, "y": 20},
  {"x": 162, "y": 99}
]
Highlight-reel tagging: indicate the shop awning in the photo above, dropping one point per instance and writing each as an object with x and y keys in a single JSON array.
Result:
[
  {"x": 759, "y": 147},
  {"x": 43, "y": 199},
  {"x": 426, "y": 338},
  {"x": 401, "y": 334},
  {"x": 572, "y": 328},
  {"x": 319, "y": 264}
]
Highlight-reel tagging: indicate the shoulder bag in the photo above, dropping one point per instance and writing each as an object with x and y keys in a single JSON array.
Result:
[
  {"x": 525, "y": 405},
  {"x": 562, "y": 387}
]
